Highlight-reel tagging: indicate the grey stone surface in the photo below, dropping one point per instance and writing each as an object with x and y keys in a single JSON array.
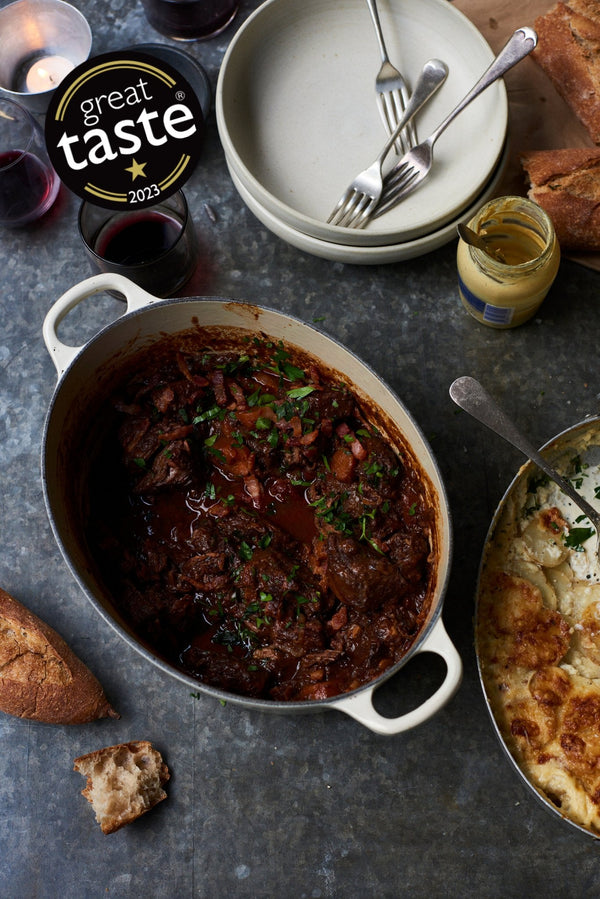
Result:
[{"x": 262, "y": 805}]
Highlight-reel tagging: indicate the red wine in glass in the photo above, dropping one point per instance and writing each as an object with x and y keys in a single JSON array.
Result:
[
  {"x": 155, "y": 247},
  {"x": 138, "y": 238},
  {"x": 27, "y": 187},
  {"x": 188, "y": 20}
]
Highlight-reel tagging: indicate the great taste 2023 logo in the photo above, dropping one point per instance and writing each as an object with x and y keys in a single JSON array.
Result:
[{"x": 124, "y": 130}]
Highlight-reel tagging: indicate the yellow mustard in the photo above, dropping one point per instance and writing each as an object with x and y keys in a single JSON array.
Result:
[{"x": 504, "y": 287}]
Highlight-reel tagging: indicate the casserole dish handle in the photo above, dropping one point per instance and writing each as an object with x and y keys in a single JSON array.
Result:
[
  {"x": 61, "y": 354},
  {"x": 360, "y": 706}
]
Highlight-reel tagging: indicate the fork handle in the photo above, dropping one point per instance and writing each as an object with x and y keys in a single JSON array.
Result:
[
  {"x": 519, "y": 45},
  {"x": 378, "y": 31}
]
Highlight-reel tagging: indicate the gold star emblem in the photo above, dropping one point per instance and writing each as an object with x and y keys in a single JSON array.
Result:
[{"x": 137, "y": 170}]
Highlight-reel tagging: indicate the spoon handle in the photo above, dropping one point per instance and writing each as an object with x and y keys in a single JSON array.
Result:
[
  {"x": 474, "y": 399},
  {"x": 432, "y": 76},
  {"x": 519, "y": 45}
]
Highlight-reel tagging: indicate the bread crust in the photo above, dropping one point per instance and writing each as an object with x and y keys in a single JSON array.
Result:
[
  {"x": 123, "y": 782},
  {"x": 568, "y": 52},
  {"x": 41, "y": 678},
  {"x": 566, "y": 183}
]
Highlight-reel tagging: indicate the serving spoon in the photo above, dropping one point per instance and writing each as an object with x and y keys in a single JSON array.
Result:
[{"x": 474, "y": 399}]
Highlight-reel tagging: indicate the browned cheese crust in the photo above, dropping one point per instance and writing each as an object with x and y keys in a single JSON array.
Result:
[
  {"x": 538, "y": 632},
  {"x": 568, "y": 51},
  {"x": 123, "y": 782},
  {"x": 566, "y": 183},
  {"x": 40, "y": 677}
]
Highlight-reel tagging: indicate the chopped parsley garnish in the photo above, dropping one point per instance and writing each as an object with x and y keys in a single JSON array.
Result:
[
  {"x": 580, "y": 473},
  {"x": 541, "y": 480},
  {"x": 208, "y": 415},
  {"x": 577, "y": 537},
  {"x": 298, "y": 393},
  {"x": 246, "y": 551}
]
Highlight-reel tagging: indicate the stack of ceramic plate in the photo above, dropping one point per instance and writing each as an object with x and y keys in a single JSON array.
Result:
[{"x": 298, "y": 119}]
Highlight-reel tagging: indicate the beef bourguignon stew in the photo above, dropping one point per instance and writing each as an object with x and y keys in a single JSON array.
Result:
[{"x": 253, "y": 524}]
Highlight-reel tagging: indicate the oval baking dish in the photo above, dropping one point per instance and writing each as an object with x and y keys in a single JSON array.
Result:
[
  {"x": 85, "y": 376},
  {"x": 537, "y": 629}
]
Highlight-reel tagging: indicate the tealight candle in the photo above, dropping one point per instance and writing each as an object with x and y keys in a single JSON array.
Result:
[
  {"x": 41, "y": 41},
  {"x": 47, "y": 73}
]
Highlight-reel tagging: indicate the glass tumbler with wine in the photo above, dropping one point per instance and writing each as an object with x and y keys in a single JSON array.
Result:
[
  {"x": 190, "y": 20},
  {"x": 28, "y": 183},
  {"x": 155, "y": 247}
]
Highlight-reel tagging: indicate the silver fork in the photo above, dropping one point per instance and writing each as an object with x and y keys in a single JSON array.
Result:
[
  {"x": 362, "y": 195},
  {"x": 416, "y": 164},
  {"x": 392, "y": 91}
]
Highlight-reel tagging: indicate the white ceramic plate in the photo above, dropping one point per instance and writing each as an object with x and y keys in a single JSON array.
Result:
[
  {"x": 373, "y": 255},
  {"x": 298, "y": 118}
]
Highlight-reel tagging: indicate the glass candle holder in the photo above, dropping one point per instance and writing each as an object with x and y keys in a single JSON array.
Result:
[
  {"x": 28, "y": 183},
  {"x": 505, "y": 287},
  {"x": 155, "y": 247},
  {"x": 190, "y": 20},
  {"x": 41, "y": 41}
]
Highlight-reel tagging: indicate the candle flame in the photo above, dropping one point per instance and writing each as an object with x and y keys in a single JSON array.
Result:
[{"x": 44, "y": 73}]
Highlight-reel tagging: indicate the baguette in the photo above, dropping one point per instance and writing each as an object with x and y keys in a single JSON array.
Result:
[
  {"x": 123, "y": 782},
  {"x": 568, "y": 51},
  {"x": 40, "y": 677},
  {"x": 566, "y": 183}
]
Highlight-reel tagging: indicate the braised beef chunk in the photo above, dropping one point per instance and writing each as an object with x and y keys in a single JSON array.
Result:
[
  {"x": 225, "y": 671},
  {"x": 359, "y": 576},
  {"x": 171, "y": 467},
  {"x": 409, "y": 551},
  {"x": 254, "y": 527}
]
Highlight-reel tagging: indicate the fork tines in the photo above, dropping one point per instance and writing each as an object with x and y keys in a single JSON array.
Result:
[
  {"x": 392, "y": 104},
  {"x": 396, "y": 187},
  {"x": 352, "y": 208}
]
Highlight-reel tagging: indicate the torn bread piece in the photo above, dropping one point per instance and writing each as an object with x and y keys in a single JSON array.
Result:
[
  {"x": 566, "y": 183},
  {"x": 123, "y": 782},
  {"x": 40, "y": 677},
  {"x": 568, "y": 51}
]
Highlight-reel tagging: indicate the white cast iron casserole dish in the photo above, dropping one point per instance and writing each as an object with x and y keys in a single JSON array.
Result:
[{"x": 84, "y": 373}]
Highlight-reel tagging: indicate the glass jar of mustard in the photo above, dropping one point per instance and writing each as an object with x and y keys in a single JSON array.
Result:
[{"x": 505, "y": 286}]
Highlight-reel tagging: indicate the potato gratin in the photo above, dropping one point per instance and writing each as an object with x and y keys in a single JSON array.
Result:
[{"x": 538, "y": 636}]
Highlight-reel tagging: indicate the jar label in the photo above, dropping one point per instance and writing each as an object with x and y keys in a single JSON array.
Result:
[{"x": 495, "y": 315}]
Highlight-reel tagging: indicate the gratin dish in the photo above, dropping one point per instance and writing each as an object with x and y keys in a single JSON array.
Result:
[
  {"x": 85, "y": 373},
  {"x": 537, "y": 643},
  {"x": 298, "y": 120}
]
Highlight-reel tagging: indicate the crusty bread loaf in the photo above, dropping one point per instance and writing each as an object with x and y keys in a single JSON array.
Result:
[
  {"x": 566, "y": 183},
  {"x": 568, "y": 51},
  {"x": 40, "y": 677},
  {"x": 123, "y": 782}
]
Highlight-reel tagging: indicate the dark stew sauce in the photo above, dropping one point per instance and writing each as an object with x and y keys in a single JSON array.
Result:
[{"x": 254, "y": 529}]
